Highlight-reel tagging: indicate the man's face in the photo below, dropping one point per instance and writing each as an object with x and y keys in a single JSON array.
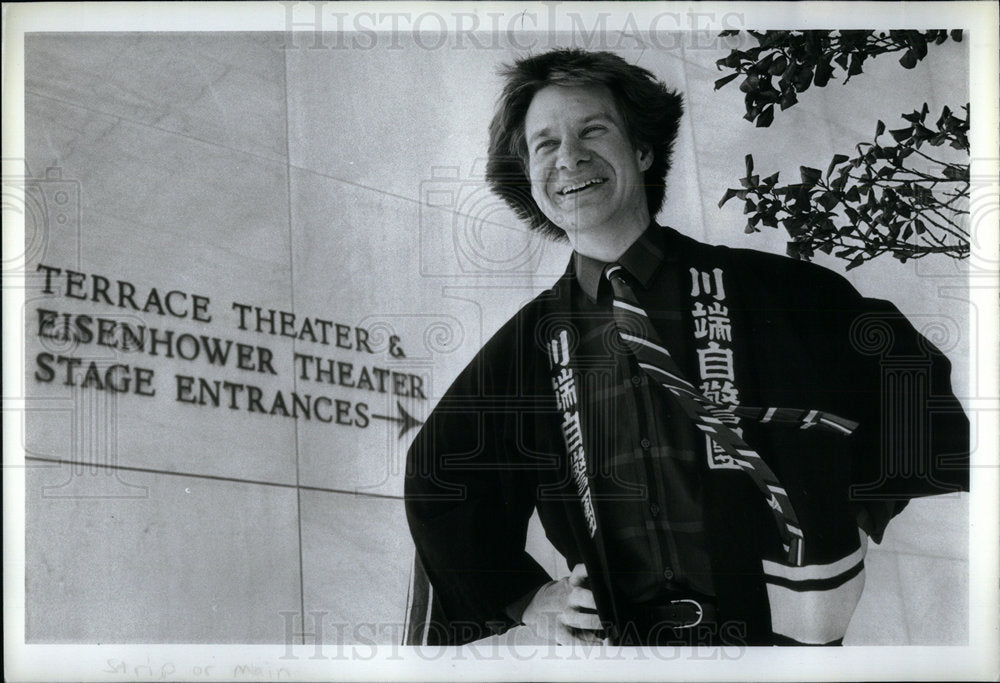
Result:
[{"x": 585, "y": 174}]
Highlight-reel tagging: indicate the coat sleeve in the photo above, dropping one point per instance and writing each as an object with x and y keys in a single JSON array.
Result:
[
  {"x": 913, "y": 437},
  {"x": 469, "y": 496},
  {"x": 915, "y": 441}
]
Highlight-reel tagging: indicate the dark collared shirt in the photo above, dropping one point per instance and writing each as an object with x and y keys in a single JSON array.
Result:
[{"x": 650, "y": 457}]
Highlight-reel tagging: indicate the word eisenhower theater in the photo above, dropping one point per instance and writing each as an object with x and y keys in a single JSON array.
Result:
[{"x": 143, "y": 327}]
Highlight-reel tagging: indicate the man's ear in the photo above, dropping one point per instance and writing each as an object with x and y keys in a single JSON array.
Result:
[{"x": 645, "y": 159}]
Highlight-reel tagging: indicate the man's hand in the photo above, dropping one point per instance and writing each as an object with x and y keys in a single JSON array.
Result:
[{"x": 564, "y": 611}]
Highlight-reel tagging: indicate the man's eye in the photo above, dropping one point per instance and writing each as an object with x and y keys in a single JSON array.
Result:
[{"x": 591, "y": 131}]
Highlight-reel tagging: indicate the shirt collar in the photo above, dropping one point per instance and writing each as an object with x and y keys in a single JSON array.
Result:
[{"x": 642, "y": 260}]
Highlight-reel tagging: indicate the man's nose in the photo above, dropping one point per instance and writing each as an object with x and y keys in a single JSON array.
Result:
[{"x": 571, "y": 153}]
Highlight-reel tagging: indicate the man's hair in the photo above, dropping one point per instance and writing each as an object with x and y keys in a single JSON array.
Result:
[{"x": 651, "y": 113}]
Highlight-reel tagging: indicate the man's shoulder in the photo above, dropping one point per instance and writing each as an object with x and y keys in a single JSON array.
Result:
[
  {"x": 525, "y": 326},
  {"x": 777, "y": 274}
]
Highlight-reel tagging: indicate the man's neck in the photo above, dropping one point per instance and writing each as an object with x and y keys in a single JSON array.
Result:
[{"x": 609, "y": 244}]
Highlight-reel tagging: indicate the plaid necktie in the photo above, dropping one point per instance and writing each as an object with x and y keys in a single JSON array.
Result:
[{"x": 637, "y": 332}]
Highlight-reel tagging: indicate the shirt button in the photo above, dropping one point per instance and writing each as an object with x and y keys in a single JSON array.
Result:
[
  {"x": 644, "y": 443},
  {"x": 668, "y": 574},
  {"x": 636, "y": 380},
  {"x": 655, "y": 509}
]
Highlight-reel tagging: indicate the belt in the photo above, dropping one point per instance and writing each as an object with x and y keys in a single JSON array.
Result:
[
  {"x": 683, "y": 613},
  {"x": 685, "y": 621}
]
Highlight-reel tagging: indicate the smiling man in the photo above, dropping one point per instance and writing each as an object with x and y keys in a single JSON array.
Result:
[
  {"x": 706, "y": 433},
  {"x": 586, "y": 175}
]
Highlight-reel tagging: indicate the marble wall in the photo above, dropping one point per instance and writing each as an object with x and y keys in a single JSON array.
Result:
[{"x": 343, "y": 185}]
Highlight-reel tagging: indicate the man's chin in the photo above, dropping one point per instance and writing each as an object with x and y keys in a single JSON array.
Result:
[{"x": 581, "y": 221}]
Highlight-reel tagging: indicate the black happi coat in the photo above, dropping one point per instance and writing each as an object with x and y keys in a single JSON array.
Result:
[{"x": 492, "y": 451}]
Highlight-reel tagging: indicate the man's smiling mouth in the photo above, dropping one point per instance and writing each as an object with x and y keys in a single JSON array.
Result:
[{"x": 570, "y": 189}]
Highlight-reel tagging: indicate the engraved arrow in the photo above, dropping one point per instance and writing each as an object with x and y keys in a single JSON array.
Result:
[{"x": 406, "y": 422}]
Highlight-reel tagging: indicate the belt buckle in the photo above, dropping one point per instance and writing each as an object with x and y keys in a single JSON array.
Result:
[{"x": 701, "y": 612}]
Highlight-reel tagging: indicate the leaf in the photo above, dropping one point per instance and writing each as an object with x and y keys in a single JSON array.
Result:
[
  {"x": 956, "y": 35},
  {"x": 856, "y": 261},
  {"x": 768, "y": 95},
  {"x": 790, "y": 72},
  {"x": 955, "y": 172},
  {"x": 944, "y": 121},
  {"x": 765, "y": 118},
  {"x": 788, "y": 98},
  {"x": 856, "y": 61},
  {"x": 749, "y": 229},
  {"x": 749, "y": 206},
  {"x": 823, "y": 73},
  {"x": 732, "y": 60},
  {"x": 770, "y": 180},
  {"x": 748, "y": 161},
  {"x": 828, "y": 200},
  {"x": 725, "y": 79},
  {"x": 778, "y": 66},
  {"x": 920, "y": 227},
  {"x": 810, "y": 176},
  {"x": 793, "y": 226},
  {"x": 918, "y": 44},
  {"x": 837, "y": 160},
  {"x": 730, "y": 193},
  {"x": 803, "y": 78},
  {"x": 751, "y": 82},
  {"x": 769, "y": 38},
  {"x": 880, "y": 128},
  {"x": 901, "y": 134},
  {"x": 908, "y": 60}
]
